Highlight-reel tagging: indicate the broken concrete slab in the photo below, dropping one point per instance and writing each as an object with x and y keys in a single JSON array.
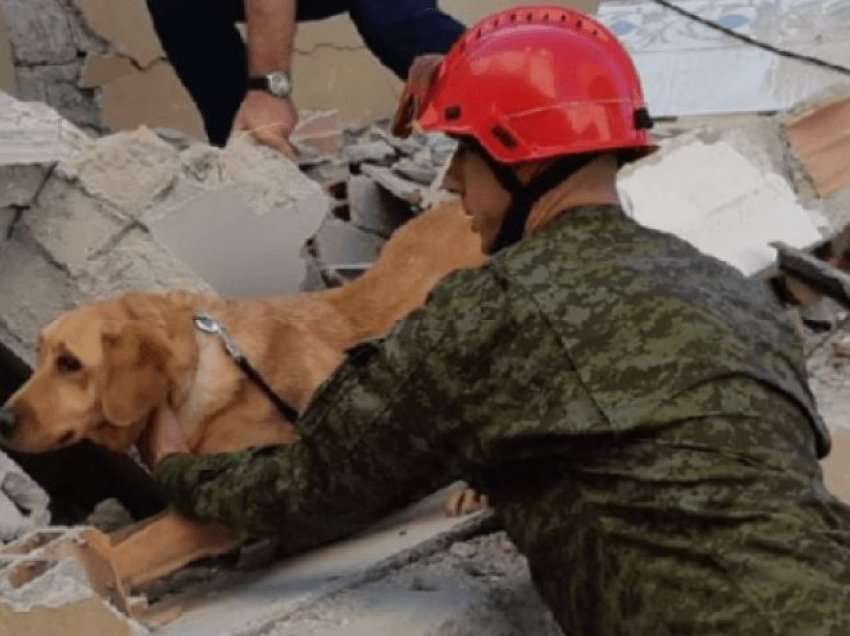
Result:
[
  {"x": 704, "y": 190},
  {"x": 373, "y": 209},
  {"x": 479, "y": 586},
  {"x": 405, "y": 190},
  {"x": 340, "y": 244},
  {"x": 254, "y": 603},
  {"x": 238, "y": 251},
  {"x": 419, "y": 172},
  {"x": 379, "y": 152},
  {"x": 129, "y": 171},
  {"x": 19, "y": 184},
  {"x": 23, "y": 503},
  {"x": 820, "y": 137},
  {"x": 53, "y": 584},
  {"x": 32, "y": 133}
]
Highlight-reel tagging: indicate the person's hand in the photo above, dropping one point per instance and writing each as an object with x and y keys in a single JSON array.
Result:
[
  {"x": 162, "y": 437},
  {"x": 270, "y": 119}
]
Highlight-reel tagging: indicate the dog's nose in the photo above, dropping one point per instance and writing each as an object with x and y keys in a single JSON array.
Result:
[{"x": 8, "y": 422}]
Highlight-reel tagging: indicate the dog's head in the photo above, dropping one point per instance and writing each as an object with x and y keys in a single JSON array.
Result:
[{"x": 99, "y": 375}]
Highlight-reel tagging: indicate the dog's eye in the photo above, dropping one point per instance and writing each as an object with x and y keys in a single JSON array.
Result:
[{"x": 68, "y": 364}]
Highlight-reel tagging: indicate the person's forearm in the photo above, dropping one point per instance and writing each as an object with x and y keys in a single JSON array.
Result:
[{"x": 271, "y": 35}]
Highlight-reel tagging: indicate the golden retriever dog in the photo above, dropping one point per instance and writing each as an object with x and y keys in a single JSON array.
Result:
[{"x": 104, "y": 370}]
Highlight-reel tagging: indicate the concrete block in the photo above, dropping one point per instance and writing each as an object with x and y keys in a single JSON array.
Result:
[
  {"x": 40, "y": 32},
  {"x": 373, "y": 209},
  {"x": 23, "y": 503},
  {"x": 710, "y": 194},
  {"x": 372, "y": 152},
  {"x": 137, "y": 262},
  {"x": 58, "y": 86},
  {"x": 47, "y": 587},
  {"x": 253, "y": 604},
  {"x": 33, "y": 133},
  {"x": 70, "y": 226},
  {"x": 20, "y": 183},
  {"x": 421, "y": 173},
  {"x": 34, "y": 292},
  {"x": 480, "y": 586},
  {"x": 129, "y": 171},
  {"x": 405, "y": 190},
  {"x": 339, "y": 243}
]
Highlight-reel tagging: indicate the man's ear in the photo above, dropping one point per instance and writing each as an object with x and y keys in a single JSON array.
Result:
[{"x": 134, "y": 380}]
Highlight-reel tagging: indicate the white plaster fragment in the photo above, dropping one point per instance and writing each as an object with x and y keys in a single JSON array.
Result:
[{"x": 712, "y": 196}]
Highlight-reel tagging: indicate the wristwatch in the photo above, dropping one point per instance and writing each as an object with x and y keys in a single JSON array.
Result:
[{"x": 278, "y": 83}]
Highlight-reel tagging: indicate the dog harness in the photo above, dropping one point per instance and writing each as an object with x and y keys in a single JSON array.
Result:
[{"x": 208, "y": 325}]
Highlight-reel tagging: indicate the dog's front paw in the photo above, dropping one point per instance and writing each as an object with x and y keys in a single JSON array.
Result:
[{"x": 465, "y": 501}]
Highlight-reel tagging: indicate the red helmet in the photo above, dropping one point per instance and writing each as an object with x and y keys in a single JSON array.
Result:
[{"x": 532, "y": 83}]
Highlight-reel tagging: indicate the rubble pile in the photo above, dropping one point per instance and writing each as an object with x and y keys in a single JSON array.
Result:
[{"x": 377, "y": 182}]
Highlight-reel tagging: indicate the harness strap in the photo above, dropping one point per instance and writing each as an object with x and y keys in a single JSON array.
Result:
[{"x": 205, "y": 323}]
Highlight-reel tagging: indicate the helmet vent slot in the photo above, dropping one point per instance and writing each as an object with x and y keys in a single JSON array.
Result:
[
  {"x": 453, "y": 113},
  {"x": 506, "y": 138}
]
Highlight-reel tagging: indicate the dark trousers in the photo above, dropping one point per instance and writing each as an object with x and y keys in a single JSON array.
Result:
[{"x": 206, "y": 50}]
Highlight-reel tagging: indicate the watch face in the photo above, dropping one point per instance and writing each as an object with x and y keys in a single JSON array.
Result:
[{"x": 279, "y": 84}]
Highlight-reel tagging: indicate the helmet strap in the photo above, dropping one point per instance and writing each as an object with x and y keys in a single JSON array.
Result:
[{"x": 524, "y": 196}]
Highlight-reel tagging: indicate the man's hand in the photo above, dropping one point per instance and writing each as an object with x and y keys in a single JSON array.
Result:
[
  {"x": 162, "y": 437},
  {"x": 270, "y": 119}
]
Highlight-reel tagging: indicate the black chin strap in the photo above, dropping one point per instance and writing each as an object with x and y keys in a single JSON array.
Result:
[{"x": 524, "y": 196}]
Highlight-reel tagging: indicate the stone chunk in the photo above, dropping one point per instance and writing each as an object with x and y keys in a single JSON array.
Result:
[
  {"x": 341, "y": 245},
  {"x": 23, "y": 503},
  {"x": 371, "y": 152},
  {"x": 399, "y": 187},
  {"x": 40, "y": 32},
  {"x": 374, "y": 209}
]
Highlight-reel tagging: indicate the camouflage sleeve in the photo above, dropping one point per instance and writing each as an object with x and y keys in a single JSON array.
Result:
[{"x": 382, "y": 429}]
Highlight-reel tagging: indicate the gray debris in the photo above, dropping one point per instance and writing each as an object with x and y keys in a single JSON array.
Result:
[
  {"x": 373, "y": 209},
  {"x": 372, "y": 152},
  {"x": 404, "y": 189},
  {"x": 23, "y": 503},
  {"x": 421, "y": 173}
]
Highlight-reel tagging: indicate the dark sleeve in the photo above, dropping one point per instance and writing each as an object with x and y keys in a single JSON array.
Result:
[
  {"x": 384, "y": 428},
  {"x": 399, "y": 31}
]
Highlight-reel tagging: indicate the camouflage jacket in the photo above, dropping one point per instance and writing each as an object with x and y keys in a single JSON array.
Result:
[{"x": 637, "y": 412}]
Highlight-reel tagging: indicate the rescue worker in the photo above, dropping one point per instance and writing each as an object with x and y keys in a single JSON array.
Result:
[
  {"x": 252, "y": 90},
  {"x": 637, "y": 412}
]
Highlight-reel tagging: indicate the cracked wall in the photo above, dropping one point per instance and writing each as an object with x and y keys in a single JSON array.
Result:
[{"x": 98, "y": 62}]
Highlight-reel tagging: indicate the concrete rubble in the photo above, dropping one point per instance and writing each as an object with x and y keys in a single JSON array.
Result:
[
  {"x": 86, "y": 219},
  {"x": 23, "y": 503},
  {"x": 51, "y": 584}
]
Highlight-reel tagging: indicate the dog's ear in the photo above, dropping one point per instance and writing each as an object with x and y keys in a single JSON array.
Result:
[{"x": 134, "y": 379}]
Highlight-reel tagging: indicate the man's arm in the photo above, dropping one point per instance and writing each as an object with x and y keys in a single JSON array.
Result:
[
  {"x": 271, "y": 41},
  {"x": 387, "y": 426}
]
